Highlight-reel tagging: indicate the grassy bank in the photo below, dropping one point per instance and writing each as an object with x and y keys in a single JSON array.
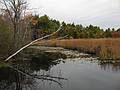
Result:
[{"x": 108, "y": 49}]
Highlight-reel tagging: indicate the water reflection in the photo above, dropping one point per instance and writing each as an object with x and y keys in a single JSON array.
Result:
[
  {"x": 45, "y": 69},
  {"x": 106, "y": 65},
  {"x": 36, "y": 67},
  {"x": 113, "y": 66},
  {"x": 43, "y": 61},
  {"x": 12, "y": 80}
]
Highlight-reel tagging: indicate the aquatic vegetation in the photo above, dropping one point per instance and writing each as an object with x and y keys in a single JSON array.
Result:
[{"x": 103, "y": 48}]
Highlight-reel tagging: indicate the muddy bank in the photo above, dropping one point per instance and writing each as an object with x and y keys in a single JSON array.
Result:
[{"x": 59, "y": 50}]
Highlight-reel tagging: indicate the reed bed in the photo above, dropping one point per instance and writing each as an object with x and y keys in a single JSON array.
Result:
[{"x": 107, "y": 48}]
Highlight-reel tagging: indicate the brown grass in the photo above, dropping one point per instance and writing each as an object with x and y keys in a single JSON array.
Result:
[{"x": 104, "y": 48}]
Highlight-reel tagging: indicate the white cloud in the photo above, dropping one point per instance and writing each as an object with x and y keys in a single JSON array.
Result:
[{"x": 105, "y": 13}]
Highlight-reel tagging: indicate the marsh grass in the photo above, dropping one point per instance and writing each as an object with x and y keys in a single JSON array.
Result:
[{"x": 107, "y": 49}]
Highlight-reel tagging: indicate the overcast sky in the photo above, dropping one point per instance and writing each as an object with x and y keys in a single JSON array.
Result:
[{"x": 103, "y": 13}]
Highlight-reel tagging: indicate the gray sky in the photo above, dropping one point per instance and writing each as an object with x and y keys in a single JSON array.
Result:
[{"x": 103, "y": 13}]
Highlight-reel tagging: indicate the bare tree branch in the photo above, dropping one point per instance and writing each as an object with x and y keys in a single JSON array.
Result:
[
  {"x": 4, "y": 2},
  {"x": 31, "y": 44},
  {"x": 51, "y": 77},
  {"x": 43, "y": 77},
  {"x": 62, "y": 37},
  {"x": 35, "y": 76}
]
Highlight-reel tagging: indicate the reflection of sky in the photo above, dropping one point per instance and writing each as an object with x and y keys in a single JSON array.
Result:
[
  {"x": 86, "y": 75},
  {"x": 104, "y": 13}
]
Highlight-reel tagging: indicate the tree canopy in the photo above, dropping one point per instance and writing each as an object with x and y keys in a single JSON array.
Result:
[{"x": 44, "y": 25}]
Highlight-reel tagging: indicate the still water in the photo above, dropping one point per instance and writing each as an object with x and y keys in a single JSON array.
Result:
[{"x": 45, "y": 71}]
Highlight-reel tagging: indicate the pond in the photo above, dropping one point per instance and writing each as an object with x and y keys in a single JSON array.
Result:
[{"x": 64, "y": 70}]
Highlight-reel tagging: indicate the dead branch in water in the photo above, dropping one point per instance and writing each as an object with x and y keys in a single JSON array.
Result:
[
  {"x": 42, "y": 77},
  {"x": 31, "y": 44}
]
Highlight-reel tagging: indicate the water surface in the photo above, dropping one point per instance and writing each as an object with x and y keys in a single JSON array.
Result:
[{"x": 54, "y": 73}]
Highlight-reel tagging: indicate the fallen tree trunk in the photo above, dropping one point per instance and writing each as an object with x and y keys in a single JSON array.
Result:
[{"x": 7, "y": 59}]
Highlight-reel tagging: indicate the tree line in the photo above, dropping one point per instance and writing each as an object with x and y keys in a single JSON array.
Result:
[
  {"x": 43, "y": 25},
  {"x": 31, "y": 27}
]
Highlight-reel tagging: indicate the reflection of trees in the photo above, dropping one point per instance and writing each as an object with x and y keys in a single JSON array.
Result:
[
  {"x": 43, "y": 61},
  {"x": 112, "y": 66},
  {"x": 23, "y": 74},
  {"x": 12, "y": 80}
]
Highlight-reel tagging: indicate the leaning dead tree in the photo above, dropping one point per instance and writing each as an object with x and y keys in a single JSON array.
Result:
[
  {"x": 15, "y": 9},
  {"x": 32, "y": 43}
]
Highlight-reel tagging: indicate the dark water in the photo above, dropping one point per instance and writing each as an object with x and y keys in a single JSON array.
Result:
[{"x": 50, "y": 73}]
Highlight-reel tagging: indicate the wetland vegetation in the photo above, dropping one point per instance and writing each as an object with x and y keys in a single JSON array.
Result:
[{"x": 41, "y": 53}]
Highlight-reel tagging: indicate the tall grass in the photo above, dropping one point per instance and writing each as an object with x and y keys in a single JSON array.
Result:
[{"x": 104, "y": 48}]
